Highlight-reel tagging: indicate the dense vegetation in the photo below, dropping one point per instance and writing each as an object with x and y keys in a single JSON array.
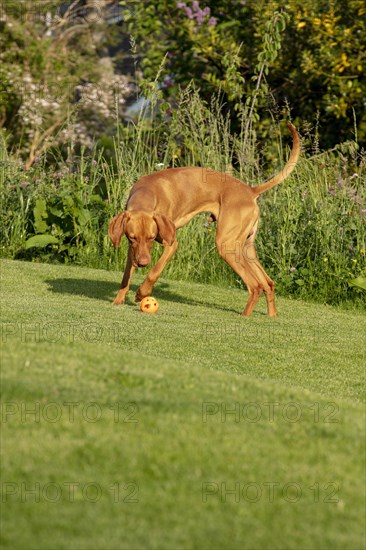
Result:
[
  {"x": 317, "y": 65},
  {"x": 69, "y": 155}
]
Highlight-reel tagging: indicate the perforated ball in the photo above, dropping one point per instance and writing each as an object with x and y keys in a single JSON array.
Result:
[{"x": 149, "y": 305}]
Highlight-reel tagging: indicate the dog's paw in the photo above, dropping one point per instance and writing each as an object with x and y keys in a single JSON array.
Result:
[
  {"x": 140, "y": 295},
  {"x": 119, "y": 299}
]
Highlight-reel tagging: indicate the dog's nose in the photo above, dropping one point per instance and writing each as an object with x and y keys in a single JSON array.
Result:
[{"x": 143, "y": 262}]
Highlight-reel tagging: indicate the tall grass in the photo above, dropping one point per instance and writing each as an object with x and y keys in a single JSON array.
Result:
[{"x": 313, "y": 226}]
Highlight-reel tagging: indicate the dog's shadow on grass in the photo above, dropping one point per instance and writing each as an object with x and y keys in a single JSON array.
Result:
[
  {"x": 107, "y": 290},
  {"x": 98, "y": 290}
]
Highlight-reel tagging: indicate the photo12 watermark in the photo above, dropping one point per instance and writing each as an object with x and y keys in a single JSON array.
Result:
[
  {"x": 269, "y": 411},
  {"x": 70, "y": 412},
  {"x": 69, "y": 491},
  {"x": 66, "y": 332},
  {"x": 55, "y": 94},
  {"x": 242, "y": 332},
  {"x": 269, "y": 491},
  {"x": 55, "y": 14}
]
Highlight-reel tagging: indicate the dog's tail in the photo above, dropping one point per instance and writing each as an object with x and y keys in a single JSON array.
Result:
[{"x": 287, "y": 169}]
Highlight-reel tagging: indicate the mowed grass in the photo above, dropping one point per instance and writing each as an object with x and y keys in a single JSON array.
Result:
[{"x": 192, "y": 428}]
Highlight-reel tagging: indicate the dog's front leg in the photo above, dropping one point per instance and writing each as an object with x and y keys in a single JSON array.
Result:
[
  {"x": 155, "y": 272},
  {"x": 127, "y": 276}
]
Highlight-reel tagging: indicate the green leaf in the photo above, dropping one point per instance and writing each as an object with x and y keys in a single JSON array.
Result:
[
  {"x": 97, "y": 199},
  {"x": 40, "y": 215},
  {"x": 57, "y": 212},
  {"x": 40, "y": 241},
  {"x": 359, "y": 282},
  {"x": 83, "y": 216},
  {"x": 299, "y": 282}
]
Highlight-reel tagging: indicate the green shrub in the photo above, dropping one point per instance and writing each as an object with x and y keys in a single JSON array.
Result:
[{"x": 312, "y": 231}]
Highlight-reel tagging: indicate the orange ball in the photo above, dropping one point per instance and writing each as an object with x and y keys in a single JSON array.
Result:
[{"x": 149, "y": 305}]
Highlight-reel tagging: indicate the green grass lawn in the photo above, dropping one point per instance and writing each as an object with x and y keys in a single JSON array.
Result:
[{"x": 193, "y": 428}]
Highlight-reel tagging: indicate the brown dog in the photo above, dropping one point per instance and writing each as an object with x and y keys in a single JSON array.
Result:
[{"x": 162, "y": 202}]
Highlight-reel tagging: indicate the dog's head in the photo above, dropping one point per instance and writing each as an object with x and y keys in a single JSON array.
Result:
[{"x": 141, "y": 230}]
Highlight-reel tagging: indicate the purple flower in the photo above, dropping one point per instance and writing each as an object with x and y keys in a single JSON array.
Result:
[
  {"x": 195, "y": 12},
  {"x": 200, "y": 17},
  {"x": 94, "y": 162},
  {"x": 339, "y": 182},
  {"x": 24, "y": 184},
  {"x": 189, "y": 12},
  {"x": 331, "y": 191},
  {"x": 363, "y": 211}
]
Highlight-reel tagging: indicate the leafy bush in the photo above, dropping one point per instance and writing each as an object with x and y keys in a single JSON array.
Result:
[
  {"x": 313, "y": 226},
  {"x": 55, "y": 86},
  {"x": 319, "y": 65}
]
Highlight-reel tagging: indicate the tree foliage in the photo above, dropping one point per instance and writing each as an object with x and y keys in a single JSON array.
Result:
[
  {"x": 57, "y": 82},
  {"x": 318, "y": 68}
]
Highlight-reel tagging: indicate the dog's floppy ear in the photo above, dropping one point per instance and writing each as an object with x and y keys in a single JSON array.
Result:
[
  {"x": 166, "y": 228},
  {"x": 117, "y": 228}
]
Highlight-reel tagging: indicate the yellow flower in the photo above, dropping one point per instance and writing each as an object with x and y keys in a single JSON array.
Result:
[
  {"x": 325, "y": 260},
  {"x": 301, "y": 24}
]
